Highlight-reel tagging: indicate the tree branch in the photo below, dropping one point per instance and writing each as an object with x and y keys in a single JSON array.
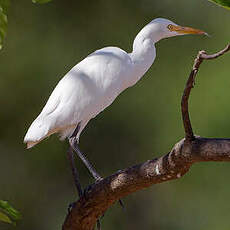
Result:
[
  {"x": 173, "y": 165},
  {"x": 189, "y": 85}
]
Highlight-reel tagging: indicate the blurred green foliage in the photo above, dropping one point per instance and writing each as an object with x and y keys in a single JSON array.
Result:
[
  {"x": 44, "y": 42},
  {"x": 3, "y": 25},
  {"x": 41, "y": 1},
  {"x": 4, "y": 5},
  {"x": 224, "y": 3},
  {"x": 9, "y": 211},
  {"x": 5, "y": 218}
]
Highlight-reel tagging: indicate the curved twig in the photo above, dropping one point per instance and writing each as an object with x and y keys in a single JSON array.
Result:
[
  {"x": 173, "y": 165},
  {"x": 189, "y": 84}
]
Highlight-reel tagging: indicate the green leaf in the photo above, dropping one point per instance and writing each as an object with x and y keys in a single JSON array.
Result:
[
  {"x": 223, "y": 3},
  {"x": 10, "y": 211},
  {"x": 5, "y": 218},
  {"x": 41, "y": 1}
]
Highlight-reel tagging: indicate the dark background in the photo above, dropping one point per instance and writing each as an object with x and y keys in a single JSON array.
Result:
[{"x": 44, "y": 42}]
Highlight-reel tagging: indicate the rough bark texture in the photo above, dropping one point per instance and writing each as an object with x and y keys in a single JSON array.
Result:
[{"x": 191, "y": 149}]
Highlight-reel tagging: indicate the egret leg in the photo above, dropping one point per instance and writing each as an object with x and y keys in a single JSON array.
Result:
[
  {"x": 74, "y": 171},
  {"x": 91, "y": 169},
  {"x": 77, "y": 181},
  {"x": 73, "y": 141}
]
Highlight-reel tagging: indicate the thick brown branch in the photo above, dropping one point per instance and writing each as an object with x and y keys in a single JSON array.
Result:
[
  {"x": 169, "y": 167},
  {"x": 190, "y": 82},
  {"x": 173, "y": 165}
]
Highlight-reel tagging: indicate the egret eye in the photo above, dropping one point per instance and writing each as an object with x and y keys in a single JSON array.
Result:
[{"x": 170, "y": 27}]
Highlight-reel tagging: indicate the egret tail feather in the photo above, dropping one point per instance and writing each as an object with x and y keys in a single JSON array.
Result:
[{"x": 31, "y": 144}]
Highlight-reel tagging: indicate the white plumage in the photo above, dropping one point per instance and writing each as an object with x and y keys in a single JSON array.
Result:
[{"x": 94, "y": 83}]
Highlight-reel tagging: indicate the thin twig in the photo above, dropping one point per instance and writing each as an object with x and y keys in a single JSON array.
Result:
[{"x": 202, "y": 55}]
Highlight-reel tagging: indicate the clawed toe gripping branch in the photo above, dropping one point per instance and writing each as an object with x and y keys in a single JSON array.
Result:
[{"x": 191, "y": 149}]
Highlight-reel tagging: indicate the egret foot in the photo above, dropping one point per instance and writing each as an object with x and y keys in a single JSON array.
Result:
[
  {"x": 89, "y": 187},
  {"x": 98, "y": 224},
  {"x": 121, "y": 204},
  {"x": 71, "y": 206}
]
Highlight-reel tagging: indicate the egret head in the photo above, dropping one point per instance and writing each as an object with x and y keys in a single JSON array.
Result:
[{"x": 163, "y": 28}]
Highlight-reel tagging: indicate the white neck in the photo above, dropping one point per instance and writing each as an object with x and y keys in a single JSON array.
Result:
[{"x": 144, "y": 51}]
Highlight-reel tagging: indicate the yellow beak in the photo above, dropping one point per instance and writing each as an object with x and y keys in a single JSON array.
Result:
[{"x": 185, "y": 30}]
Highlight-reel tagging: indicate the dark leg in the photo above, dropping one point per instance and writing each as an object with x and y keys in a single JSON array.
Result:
[
  {"x": 74, "y": 171},
  {"x": 98, "y": 225},
  {"x": 91, "y": 169},
  {"x": 73, "y": 141},
  {"x": 121, "y": 204}
]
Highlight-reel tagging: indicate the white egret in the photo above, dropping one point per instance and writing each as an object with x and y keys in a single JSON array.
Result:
[{"x": 94, "y": 83}]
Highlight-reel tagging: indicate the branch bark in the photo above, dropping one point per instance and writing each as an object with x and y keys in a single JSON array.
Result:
[
  {"x": 190, "y": 150},
  {"x": 202, "y": 55}
]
